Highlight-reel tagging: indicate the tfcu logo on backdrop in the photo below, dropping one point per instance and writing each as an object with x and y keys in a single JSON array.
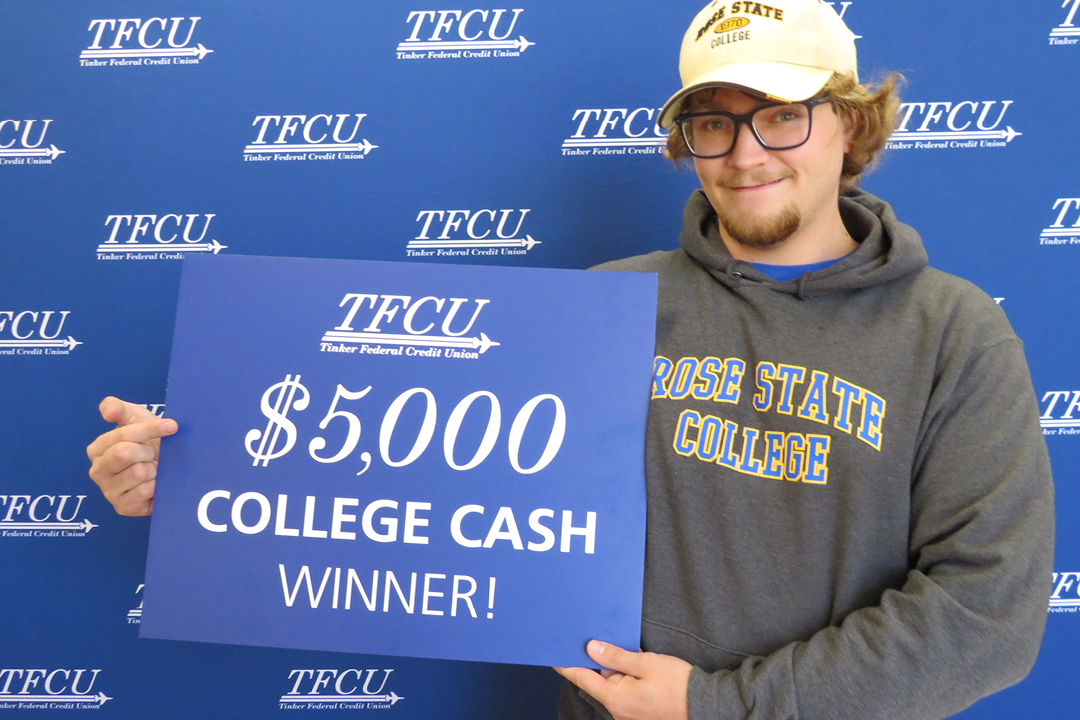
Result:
[
  {"x": 135, "y": 41},
  {"x": 841, "y": 8},
  {"x": 32, "y": 332},
  {"x": 50, "y": 689},
  {"x": 1065, "y": 230},
  {"x": 395, "y": 325},
  {"x": 333, "y": 689},
  {"x": 1067, "y": 33},
  {"x": 308, "y": 137},
  {"x": 157, "y": 237},
  {"x": 1061, "y": 412},
  {"x": 21, "y": 143},
  {"x": 615, "y": 131},
  {"x": 445, "y": 233},
  {"x": 456, "y": 34},
  {"x": 965, "y": 124},
  {"x": 1066, "y": 594},
  {"x": 134, "y": 615},
  {"x": 43, "y": 516}
]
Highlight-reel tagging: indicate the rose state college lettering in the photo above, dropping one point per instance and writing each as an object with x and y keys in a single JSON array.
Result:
[{"x": 784, "y": 389}]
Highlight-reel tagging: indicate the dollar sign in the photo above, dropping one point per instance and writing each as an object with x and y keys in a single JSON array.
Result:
[{"x": 286, "y": 391}]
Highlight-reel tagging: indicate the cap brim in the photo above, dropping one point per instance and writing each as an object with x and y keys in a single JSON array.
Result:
[{"x": 779, "y": 81}]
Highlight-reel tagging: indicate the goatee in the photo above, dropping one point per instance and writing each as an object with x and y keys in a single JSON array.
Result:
[{"x": 761, "y": 234}]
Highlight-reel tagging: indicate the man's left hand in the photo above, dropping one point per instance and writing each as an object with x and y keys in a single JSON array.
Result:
[{"x": 636, "y": 685}]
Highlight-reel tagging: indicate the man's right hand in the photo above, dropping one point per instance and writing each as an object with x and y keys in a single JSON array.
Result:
[{"x": 123, "y": 462}]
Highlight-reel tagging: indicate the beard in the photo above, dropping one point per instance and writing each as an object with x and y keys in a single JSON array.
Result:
[{"x": 759, "y": 233}]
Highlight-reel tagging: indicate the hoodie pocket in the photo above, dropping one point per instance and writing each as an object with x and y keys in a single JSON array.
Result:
[{"x": 669, "y": 640}]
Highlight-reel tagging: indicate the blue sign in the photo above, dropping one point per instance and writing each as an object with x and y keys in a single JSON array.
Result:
[{"x": 427, "y": 460}]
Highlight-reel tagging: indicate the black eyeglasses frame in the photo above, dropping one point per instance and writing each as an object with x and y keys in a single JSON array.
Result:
[{"x": 746, "y": 119}]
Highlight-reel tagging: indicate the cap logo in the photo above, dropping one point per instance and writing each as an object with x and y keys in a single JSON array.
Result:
[
  {"x": 739, "y": 7},
  {"x": 732, "y": 24},
  {"x": 756, "y": 8},
  {"x": 718, "y": 15}
]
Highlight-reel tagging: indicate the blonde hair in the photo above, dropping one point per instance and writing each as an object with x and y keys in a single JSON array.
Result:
[{"x": 869, "y": 111}]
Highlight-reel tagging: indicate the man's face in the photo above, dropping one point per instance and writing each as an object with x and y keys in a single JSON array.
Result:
[{"x": 766, "y": 197}]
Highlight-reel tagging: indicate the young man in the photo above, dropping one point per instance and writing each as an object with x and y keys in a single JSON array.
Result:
[{"x": 850, "y": 504}]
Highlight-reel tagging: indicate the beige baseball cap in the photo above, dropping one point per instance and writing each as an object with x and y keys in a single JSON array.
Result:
[{"x": 786, "y": 50}]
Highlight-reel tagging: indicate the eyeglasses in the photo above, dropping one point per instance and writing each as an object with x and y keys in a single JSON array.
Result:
[{"x": 777, "y": 126}]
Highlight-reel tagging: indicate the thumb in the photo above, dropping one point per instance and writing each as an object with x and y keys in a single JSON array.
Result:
[{"x": 615, "y": 658}]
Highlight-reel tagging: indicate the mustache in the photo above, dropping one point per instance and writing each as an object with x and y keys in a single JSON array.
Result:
[{"x": 745, "y": 179}]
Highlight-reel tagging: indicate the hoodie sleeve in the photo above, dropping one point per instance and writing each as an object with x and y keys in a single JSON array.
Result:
[{"x": 969, "y": 618}]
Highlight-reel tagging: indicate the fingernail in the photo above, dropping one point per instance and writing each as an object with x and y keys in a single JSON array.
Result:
[
  {"x": 169, "y": 426},
  {"x": 596, "y": 647}
]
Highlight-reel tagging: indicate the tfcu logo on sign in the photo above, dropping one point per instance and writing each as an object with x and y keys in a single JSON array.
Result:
[
  {"x": 966, "y": 124},
  {"x": 1067, "y": 33},
  {"x": 332, "y": 689},
  {"x": 470, "y": 232},
  {"x": 19, "y": 146},
  {"x": 308, "y": 137},
  {"x": 1066, "y": 594},
  {"x": 157, "y": 237},
  {"x": 43, "y": 516},
  {"x": 29, "y": 332},
  {"x": 615, "y": 131},
  {"x": 49, "y": 689},
  {"x": 1058, "y": 416},
  {"x": 444, "y": 34},
  {"x": 382, "y": 318},
  {"x": 1061, "y": 232},
  {"x": 134, "y": 41}
]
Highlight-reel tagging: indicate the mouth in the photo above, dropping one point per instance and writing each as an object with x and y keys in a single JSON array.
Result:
[{"x": 756, "y": 186}]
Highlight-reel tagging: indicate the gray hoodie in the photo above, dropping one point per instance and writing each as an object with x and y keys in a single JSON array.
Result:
[{"x": 850, "y": 501}]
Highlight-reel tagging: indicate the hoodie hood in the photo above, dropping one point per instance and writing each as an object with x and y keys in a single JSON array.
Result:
[{"x": 888, "y": 249}]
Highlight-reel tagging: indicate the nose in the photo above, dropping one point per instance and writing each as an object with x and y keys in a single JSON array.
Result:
[{"x": 748, "y": 152}]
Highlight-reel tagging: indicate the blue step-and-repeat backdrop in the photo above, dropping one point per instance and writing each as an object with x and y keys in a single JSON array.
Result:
[{"x": 133, "y": 134}]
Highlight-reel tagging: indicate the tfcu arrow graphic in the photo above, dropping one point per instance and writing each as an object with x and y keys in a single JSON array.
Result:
[
  {"x": 482, "y": 343},
  {"x": 520, "y": 44},
  {"x": 212, "y": 247},
  {"x": 1007, "y": 135},
  {"x": 50, "y": 152},
  {"x": 364, "y": 147},
  {"x": 391, "y": 698},
  {"x": 98, "y": 699},
  {"x": 70, "y": 343},
  {"x": 614, "y": 142},
  {"x": 1060, "y": 423},
  {"x": 199, "y": 52},
  {"x": 526, "y": 242},
  {"x": 85, "y": 525},
  {"x": 1064, "y": 603}
]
